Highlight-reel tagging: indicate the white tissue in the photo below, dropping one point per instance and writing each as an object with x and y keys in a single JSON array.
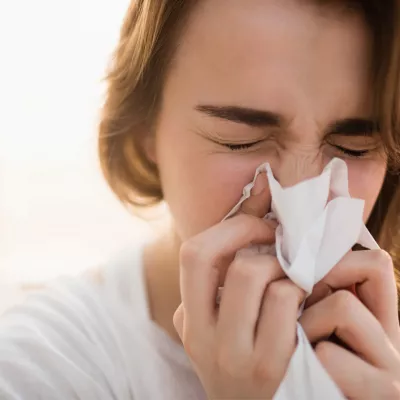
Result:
[{"x": 318, "y": 224}]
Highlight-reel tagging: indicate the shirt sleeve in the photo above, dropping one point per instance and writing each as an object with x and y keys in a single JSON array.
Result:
[{"x": 61, "y": 344}]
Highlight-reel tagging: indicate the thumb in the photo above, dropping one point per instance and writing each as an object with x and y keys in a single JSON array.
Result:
[
  {"x": 178, "y": 320},
  {"x": 259, "y": 202}
]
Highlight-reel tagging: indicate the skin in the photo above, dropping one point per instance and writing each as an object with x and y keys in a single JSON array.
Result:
[{"x": 310, "y": 67}]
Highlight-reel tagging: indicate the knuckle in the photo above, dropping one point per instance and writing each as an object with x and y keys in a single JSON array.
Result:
[
  {"x": 284, "y": 291},
  {"x": 382, "y": 257},
  {"x": 253, "y": 226},
  {"x": 243, "y": 269},
  {"x": 324, "y": 351},
  {"x": 277, "y": 291},
  {"x": 343, "y": 300},
  {"x": 189, "y": 253},
  {"x": 383, "y": 262},
  {"x": 345, "y": 306}
]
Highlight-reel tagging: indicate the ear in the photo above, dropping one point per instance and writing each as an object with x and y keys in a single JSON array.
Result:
[{"x": 149, "y": 147}]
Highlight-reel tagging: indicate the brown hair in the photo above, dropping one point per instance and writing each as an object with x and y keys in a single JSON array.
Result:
[{"x": 148, "y": 40}]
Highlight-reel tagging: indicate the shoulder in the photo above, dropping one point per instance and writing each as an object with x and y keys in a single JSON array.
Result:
[
  {"x": 63, "y": 341},
  {"x": 47, "y": 341}
]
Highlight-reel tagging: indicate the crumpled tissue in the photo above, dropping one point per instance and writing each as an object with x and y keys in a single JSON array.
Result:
[{"x": 318, "y": 224}]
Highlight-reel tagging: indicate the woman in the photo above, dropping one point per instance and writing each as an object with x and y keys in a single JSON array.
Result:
[{"x": 200, "y": 94}]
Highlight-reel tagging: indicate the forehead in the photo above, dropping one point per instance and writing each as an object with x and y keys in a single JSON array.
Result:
[{"x": 276, "y": 54}]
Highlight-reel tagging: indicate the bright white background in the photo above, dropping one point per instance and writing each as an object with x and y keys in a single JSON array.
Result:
[{"x": 56, "y": 213}]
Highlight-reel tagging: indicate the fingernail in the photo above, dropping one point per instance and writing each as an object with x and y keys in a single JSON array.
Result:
[
  {"x": 271, "y": 223},
  {"x": 260, "y": 185}
]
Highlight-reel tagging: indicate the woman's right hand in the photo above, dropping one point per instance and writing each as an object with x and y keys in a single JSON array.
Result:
[{"x": 242, "y": 349}]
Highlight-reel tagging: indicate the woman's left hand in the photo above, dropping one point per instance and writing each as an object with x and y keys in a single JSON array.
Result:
[{"x": 366, "y": 322}]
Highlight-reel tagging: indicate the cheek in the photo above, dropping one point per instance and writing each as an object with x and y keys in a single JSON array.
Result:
[
  {"x": 199, "y": 187},
  {"x": 365, "y": 181}
]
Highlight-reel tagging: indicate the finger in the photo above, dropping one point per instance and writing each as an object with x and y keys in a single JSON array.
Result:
[
  {"x": 259, "y": 202},
  {"x": 344, "y": 315},
  {"x": 373, "y": 273},
  {"x": 276, "y": 331},
  {"x": 244, "y": 288},
  {"x": 356, "y": 379},
  {"x": 178, "y": 320},
  {"x": 203, "y": 257}
]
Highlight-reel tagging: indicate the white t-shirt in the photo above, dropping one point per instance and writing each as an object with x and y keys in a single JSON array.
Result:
[{"x": 79, "y": 340}]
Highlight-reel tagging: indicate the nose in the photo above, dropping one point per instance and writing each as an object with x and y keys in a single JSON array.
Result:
[{"x": 294, "y": 167}]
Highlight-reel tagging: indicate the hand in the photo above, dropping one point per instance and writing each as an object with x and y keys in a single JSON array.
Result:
[
  {"x": 366, "y": 321},
  {"x": 242, "y": 349}
]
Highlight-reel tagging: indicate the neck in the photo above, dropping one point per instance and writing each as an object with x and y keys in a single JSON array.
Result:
[{"x": 161, "y": 263}]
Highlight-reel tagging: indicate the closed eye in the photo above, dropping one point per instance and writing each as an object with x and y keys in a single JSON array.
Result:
[
  {"x": 352, "y": 153},
  {"x": 344, "y": 150},
  {"x": 240, "y": 146}
]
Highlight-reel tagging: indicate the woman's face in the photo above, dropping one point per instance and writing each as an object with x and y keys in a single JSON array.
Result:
[{"x": 278, "y": 81}]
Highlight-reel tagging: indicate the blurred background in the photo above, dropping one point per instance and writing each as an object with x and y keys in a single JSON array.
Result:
[{"x": 57, "y": 214}]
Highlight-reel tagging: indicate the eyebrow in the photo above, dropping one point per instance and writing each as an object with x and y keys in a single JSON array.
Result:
[
  {"x": 242, "y": 115},
  {"x": 262, "y": 118},
  {"x": 354, "y": 127}
]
